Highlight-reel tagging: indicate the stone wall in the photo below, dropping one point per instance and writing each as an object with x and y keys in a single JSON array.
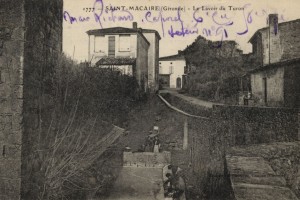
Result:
[
  {"x": 289, "y": 38},
  {"x": 284, "y": 45},
  {"x": 230, "y": 126},
  {"x": 281, "y": 85},
  {"x": 292, "y": 86},
  {"x": 274, "y": 80},
  {"x": 153, "y": 55},
  {"x": 43, "y": 45},
  {"x": 255, "y": 125},
  {"x": 146, "y": 159},
  {"x": 186, "y": 106},
  {"x": 30, "y": 41},
  {"x": 209, "y": 139},
  {"x": 142, "y": 62},
  {"x": 11, "y": 96},
  {"x": 274, "y": 39},
  {"x": 283, "y": 159}
]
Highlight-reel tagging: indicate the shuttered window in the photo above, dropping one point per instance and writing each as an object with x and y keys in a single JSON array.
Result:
[
  {"x": 100, "y": 44},
  {"x": 111, "y": 46},
  {"x": 171, "y": 69},
  {"x": 124, "y": 43}
]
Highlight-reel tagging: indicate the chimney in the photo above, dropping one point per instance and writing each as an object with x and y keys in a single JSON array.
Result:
[
  {"x": 274, "y": 39},
  {"x": 273, "y": 23},
  {"x": 134, "y": 25}
]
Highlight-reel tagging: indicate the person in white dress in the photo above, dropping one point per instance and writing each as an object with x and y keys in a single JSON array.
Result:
[{"x": 156, "y": 145}]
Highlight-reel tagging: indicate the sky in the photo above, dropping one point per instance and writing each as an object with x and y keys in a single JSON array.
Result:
[{"x": 178, "y": 22}]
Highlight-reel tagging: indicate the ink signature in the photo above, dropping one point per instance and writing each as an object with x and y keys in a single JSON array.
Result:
[
  {"x": 160, "y": 18},
  {"x": 221, "y": 23},
  {"x": 102, "y": 15}
]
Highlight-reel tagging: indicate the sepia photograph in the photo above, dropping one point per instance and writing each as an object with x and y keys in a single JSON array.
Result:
[{"x": 149, "y": 100}]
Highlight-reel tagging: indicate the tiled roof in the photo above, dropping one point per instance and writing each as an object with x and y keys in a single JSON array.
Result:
[
  {"x": 116, "y": 30},
  {"x": 172, "y": 57},
  {"x": 116, "y": 61},
  {"x": 275, "y": 65},
  {"x": 111, "y": 30},
  {"x": 279, "y": 26},
  {"x": 151, "y": 31}
]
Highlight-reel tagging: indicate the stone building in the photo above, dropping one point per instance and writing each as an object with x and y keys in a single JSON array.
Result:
[
  {"x": 30, "y": 43},
  {"x": 277, "y": 84},
  {"x": 172, "y": 71},
  {"x": 153, "y": 54},
  {"x": 133, "y": 51},
  {"x": 276, "y": 81},
  {"x": 277, "y": 42}
]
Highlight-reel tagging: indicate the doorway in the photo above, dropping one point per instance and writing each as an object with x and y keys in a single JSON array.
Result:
[
  {"x": 178, "y": 82},
  {"x": 265, "y": 86},
  {"x": 164, "y": 81}
]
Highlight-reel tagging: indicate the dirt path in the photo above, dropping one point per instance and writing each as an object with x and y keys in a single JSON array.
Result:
[
  {"x": 140, "y": 121},
  {"x": 193, "y": 100}
]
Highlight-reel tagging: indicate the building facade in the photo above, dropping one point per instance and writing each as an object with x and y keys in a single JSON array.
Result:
[
  {"x": 30, "y": 47},
  {"x": 171, "y": 71},
  {"x": 132, "y": 51},
  {"x": 276, "y": 81},
  {"x": 277, "y": 85},
  {"x": 153, "y": 55},
  {"x": 277, "y": 42}
]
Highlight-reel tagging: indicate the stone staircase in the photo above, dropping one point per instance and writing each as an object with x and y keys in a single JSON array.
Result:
[{"x": 252, "y": 178}]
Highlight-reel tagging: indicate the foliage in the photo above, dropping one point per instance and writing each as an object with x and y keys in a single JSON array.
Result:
[
  {"x": 211, "y": 76},
  {"x": 86, "y": 102}
]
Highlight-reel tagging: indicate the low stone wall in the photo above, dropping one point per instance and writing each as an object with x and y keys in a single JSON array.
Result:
[
  {"x": 230, "y": 126},
  {"x": 227, "y": 126},
  {"x": 242, "y": 125},
  {"x": 283, "y": 158},
  {"x": 146, "y": 159},
  {"x": 187, "y": 106}
]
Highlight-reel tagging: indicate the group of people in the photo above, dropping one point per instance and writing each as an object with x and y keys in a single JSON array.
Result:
[
  {"x": 152, "y": 144},
  {"x": 174, "y": 185}
]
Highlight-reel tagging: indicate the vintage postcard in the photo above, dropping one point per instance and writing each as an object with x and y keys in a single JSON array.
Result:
[{"x": 149, "y": 100}]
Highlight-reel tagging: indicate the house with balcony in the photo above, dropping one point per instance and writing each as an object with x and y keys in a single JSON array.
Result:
[
  {"x": 132, "y": 51},
  {"x": 275, "y": 81},
  {"x": 172, "y": 71}
]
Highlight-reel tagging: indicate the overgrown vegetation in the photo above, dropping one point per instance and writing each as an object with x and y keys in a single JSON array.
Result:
[
  {"x": 215, "y": 68},
  {"x": 84, "y": 105}
]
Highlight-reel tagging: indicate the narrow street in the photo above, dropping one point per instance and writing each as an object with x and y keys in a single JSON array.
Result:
[
  {"x": 204, "y": 170},
  {"x": 193, "y": 100},
  {"x": 146, "y": 183},
  {"x": 146, "y": 100}
]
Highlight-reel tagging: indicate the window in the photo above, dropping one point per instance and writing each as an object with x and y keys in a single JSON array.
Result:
[
  {"x": 100, "y": 44},
  {"x": 124, "y": 43},
  {"x": 171, "y": 68},
  {"x": 111, "y": 46}
]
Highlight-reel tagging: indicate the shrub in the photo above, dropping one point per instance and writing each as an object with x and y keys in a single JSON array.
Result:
[{"x": 87, "y": 101}]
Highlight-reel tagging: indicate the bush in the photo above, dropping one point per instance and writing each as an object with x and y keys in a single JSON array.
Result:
[{"x": 87, "y": 101}]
